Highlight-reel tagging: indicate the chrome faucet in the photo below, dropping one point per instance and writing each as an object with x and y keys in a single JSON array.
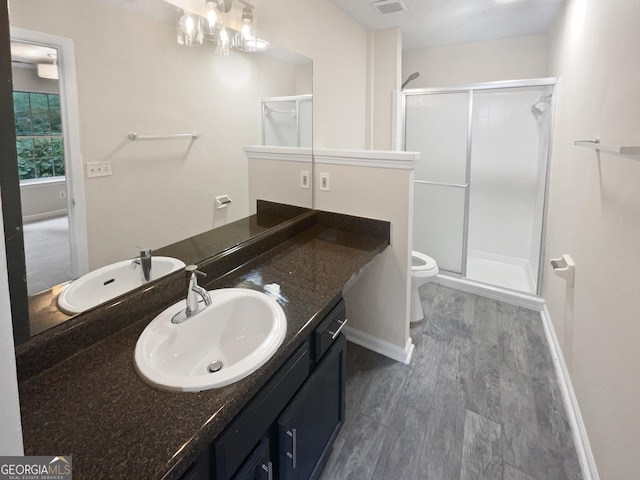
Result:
[
  {"x": 144, "y": 260},
  {"x": 193, "y": 292}
]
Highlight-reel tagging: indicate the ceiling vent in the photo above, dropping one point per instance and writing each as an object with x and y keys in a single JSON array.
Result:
[{"x": 389, "y": 6}]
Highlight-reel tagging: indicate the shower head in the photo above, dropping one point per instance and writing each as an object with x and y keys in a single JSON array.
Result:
[
  {"x": 411, "y": 77},
  {"x": 542, "y": 105}
]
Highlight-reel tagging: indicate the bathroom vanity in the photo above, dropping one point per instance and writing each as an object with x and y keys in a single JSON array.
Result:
[
  {"x": 291, "y": 424},
  {"x": 81, "y": 396}
]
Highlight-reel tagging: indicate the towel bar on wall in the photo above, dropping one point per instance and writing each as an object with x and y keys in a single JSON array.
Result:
[
  {"x": 619, "y": 149},
  {"x": 171, "y": 136}
]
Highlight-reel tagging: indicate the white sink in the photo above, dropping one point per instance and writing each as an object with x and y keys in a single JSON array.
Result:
[
  {"x": 108, "y": 282},
  {"x": 241, "y": 328}
]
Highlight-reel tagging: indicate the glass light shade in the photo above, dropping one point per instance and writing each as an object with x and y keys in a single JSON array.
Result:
[
  {"x": 190, "y": 31},
  {"x": 214, "y": 23},
  {"x": 245, "y": 25},
  {"x": 223, "y": 42},
  {"x": 248, "y": 39}
]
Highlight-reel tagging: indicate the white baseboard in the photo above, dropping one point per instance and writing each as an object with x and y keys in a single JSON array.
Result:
[
  {"x": 580, "y": 438},
  {"x": 512, "y": 297},
  {"x": 380, "y": 346},
  {"x": 44, "y": 216}
]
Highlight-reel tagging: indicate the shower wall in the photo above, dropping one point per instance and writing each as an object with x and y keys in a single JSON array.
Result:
[{"x": 504, "y": 180}]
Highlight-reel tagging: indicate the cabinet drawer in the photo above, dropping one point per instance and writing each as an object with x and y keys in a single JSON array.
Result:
[
  {"x": 259, "y": 465},
  {"x": 328, "y": 330},
  {"x": 234, "y": 445}
]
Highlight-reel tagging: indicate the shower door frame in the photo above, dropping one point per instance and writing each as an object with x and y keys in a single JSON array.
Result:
[
  {"x": 298, "y": 99},
  {"x": 470, "y": 89}
]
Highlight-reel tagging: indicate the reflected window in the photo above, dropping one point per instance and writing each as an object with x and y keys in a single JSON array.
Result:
[{"x": 38, "y": 135}]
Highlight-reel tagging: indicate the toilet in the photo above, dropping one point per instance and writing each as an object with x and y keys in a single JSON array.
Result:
[{"x": 423, "y": 269}]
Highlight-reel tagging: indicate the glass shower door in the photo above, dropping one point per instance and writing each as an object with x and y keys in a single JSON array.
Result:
[{"x": 438, "y": 126}]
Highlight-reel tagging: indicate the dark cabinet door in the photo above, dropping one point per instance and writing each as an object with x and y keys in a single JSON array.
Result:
[
  {"x": 259, "y": 465},
  {"x": 309, "y": 425},
  {"x": 231, "y": 448}
]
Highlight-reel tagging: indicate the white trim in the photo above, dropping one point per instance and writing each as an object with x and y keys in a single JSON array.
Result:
[
  {"x": 580, "y": 437},
  {"x": 286, "y": 154},
  {"x": 35, "y": 184},
  {"x": 367, "y": 158},
  {"x": 291, "y": 98},
  {"x": 380, "y": 346},
  {"x": 36, "y": 217},
  {"x": 532, "y": 82},
  {"x": 489, "y": 291},
  {"x": 71, "y": 137}
]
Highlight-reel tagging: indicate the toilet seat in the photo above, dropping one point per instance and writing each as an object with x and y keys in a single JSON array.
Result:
[
  {"x": 422, "y": 263},
  {"x": 423, "y": 269}
]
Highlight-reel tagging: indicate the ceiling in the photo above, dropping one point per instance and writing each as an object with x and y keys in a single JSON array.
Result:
[{"x": 436, "y": 23}]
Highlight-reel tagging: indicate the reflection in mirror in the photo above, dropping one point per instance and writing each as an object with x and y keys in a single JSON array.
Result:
[{"x": 90, "y": 194}]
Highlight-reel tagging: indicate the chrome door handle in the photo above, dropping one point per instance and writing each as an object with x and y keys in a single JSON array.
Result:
[
  {"x": 269, "y": 469},
  {"x": 335, "y": 334},
  {"x": 292, "y": 455}
]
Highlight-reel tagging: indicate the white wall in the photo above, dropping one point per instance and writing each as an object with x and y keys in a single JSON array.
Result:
[
  {"x": 379, "y": 302},
  {"x": 594, "y": 215},
  {"x": 507, "y": 59},
  {"x": 42, "y": 200},
  {"x": 275, "y": 175},
  {"x": 385, "y": 57},
  {"x": 10, "y": 426}
]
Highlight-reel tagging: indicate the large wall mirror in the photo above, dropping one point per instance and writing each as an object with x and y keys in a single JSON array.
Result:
[{"x": 86, "y": 76}]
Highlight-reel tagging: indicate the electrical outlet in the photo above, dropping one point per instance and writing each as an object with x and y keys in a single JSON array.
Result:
[
  {"x": 98, "y": 169},
  {"x": 324, "y": 182},
  {"x": 304, "y": 179},
  {"x": 62, "y": 194}
]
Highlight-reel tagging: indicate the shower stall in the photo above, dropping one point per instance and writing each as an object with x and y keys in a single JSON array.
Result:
[
  {"x": 480, "y": 183},
  {"x": 287, "y": 121}
]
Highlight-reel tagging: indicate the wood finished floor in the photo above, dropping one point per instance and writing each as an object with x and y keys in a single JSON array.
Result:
[{"x": 480, "y": 400}]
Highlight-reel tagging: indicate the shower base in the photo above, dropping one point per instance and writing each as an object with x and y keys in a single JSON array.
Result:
[
  {"x": 521, "y": 299},
  {"x": 501, "y": 271}
]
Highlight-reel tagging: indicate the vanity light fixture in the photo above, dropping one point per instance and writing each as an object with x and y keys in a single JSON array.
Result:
[{"x": 224, "y": 25}]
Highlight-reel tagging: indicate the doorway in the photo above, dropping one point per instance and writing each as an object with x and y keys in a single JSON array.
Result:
[{"x": 49, "y": 161}]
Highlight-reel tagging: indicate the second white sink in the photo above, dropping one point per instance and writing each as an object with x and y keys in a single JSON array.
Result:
[
  {"x": 225, "y": 342},
  {"x": 108, "y": 282}
]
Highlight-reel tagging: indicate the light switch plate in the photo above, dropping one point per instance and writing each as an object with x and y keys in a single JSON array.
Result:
[
  {"x": 98, "y": 169},
  {"x": 325, "y": 185},
  {"x": 304, "y": 179}
]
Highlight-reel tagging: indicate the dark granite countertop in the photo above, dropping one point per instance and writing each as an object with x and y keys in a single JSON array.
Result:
[{"x": 94, "y": 406}]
